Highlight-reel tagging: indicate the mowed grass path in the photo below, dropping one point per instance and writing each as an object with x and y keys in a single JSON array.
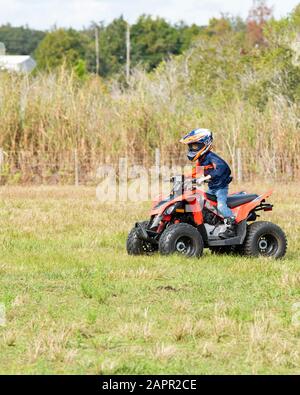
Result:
[{"x": 76, "y": 303}]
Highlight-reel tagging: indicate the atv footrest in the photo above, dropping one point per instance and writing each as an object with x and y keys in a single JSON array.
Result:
[{"x": 231, "y": 241}]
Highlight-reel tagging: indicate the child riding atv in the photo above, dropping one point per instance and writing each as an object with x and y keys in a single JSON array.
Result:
[
  {"x": 199, "y": 143},
  {"x": 189, "y": 219}
]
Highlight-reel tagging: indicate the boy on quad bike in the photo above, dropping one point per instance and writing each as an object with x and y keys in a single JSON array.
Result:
[
  {"x": 217, "y": 171},
  {"x": 188, "y": 219}
]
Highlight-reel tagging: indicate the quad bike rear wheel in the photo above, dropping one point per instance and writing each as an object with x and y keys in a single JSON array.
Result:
[
  {"x": 265, "y": 239},
  {"x": 183, "y": 239},
  {"x": 137, "y": 246}
]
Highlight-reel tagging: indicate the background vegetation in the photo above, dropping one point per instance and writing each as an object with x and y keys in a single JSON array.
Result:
[
  {"x": 239, "y": 78},
  {"x": 152, "y": 40}
]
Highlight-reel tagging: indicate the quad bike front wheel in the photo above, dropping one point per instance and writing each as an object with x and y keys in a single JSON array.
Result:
[
  {"x": 265, "y": 239},
  {"x": 183, "y": 239},
  {"x": 136, "y": 246}
]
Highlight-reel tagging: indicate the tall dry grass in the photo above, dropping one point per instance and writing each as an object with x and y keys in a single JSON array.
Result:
[{"x": 43, "y": 118}]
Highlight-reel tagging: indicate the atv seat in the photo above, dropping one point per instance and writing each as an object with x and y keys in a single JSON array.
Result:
[{"x": 235, "y": 200}]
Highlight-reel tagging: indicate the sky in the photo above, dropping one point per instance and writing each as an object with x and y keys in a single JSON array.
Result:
[{"x": 44, "y": 14}]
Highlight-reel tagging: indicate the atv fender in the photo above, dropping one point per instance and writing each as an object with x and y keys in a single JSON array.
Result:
[{"x": 242, "y": 212}]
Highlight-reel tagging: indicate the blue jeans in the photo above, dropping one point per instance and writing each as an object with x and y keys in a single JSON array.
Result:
[{"x": 222, "y": 194}]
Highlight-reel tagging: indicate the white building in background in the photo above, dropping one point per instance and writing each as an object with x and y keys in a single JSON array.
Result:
[{"x": 16, "y": 63}]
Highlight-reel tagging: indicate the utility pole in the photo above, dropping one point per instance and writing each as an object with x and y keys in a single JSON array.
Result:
[
  {"x": 97, "y": 50},
  {"x": 128, "y": 53}
]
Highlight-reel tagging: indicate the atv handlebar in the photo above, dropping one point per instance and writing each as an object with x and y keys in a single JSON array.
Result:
[
  {"x": 197, "y": 181},
  {"x": 180, "y": 183}
]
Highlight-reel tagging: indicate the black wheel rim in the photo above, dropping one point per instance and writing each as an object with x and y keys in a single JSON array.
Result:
[
  {"x": 184, "y": 245},
  {"x": 267, "y": 245},
  {"x": 148, "y": 248}
]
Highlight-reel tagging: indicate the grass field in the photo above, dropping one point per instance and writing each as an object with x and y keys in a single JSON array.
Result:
[{"x": 76, "y": 303}]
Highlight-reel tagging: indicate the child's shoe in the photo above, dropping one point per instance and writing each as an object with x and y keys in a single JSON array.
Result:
[{"x": 230, "y": 228}]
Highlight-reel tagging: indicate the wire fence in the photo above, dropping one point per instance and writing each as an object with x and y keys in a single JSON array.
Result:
[{"x": 74, "y": 167}]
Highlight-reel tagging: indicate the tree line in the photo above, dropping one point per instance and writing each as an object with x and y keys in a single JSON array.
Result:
[{"x": 153, "y": 40}]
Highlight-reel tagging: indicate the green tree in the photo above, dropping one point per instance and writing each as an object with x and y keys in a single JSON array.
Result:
[
  {"x": 112, "y": 42},
  {"x": 153, "y": 40},
  {"x": 61, "y": 47},
  {"x": 20, "y": 40},
  {"x": 112, "y": 47},
  {"x": 188, "y": 34}
]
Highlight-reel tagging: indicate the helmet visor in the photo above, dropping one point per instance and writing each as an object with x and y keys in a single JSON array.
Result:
[{"x": 196, "y": 147}]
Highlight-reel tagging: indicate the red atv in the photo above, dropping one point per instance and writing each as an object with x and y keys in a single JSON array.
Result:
[{"x": 187, "y": 221}]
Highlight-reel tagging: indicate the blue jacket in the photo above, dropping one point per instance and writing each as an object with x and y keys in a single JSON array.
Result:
[{"x": 218, "y": 169}]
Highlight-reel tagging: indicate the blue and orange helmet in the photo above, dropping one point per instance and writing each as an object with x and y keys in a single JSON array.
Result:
[{"x": 199, "y": 142}]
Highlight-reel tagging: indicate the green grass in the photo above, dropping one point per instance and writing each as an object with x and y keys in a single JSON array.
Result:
[{"x": 76, "y": 303}]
